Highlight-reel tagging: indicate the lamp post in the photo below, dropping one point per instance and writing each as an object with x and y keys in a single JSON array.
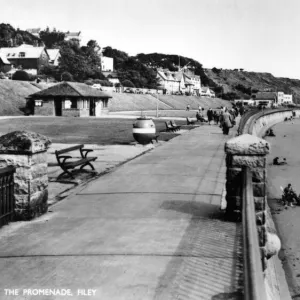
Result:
[{"x": 156, "y": 105}]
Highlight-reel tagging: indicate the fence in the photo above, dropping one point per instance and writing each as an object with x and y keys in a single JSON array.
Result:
[{"x": 7, "y": 200}]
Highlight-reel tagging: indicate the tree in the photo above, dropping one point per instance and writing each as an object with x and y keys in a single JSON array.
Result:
[
  {"x": 127, "y": 83},
  {"x": 21, "y": 75},
  {"x": 51, "y": 38},
  {"x": 66, "y": 76}
]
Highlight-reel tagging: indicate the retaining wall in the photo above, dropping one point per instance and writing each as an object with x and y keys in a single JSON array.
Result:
[{"x": 257, "y": 125}]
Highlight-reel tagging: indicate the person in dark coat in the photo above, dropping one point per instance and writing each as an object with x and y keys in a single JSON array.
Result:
[
  {"x": 209, "y": 115},
  {"x": 216, "y": 117},
  {"x": 226, "y": 122}
]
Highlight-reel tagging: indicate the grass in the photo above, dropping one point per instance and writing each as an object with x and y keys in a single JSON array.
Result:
[
  {"x": 133, "y": 102},
  {"x": 12, "y": 96},
  {"x": 82, "y": 130},
  {"x": 181, "y": 102}
]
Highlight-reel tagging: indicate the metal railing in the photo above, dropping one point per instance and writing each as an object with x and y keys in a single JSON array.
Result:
[
  {"x": 254, "y": 287},
  {"x": 7, "y": 199}
]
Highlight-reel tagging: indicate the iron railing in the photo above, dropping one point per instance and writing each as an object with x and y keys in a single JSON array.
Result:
[
  {"x": 7, "y": 199},
  {"x": 254, "y": 287}
]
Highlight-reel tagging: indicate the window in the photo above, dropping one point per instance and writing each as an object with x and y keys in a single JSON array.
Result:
[
  {"x": 22, "y": 54},
  {"x": 38, "y": 103},
  {"x": 8, "y": 54}
]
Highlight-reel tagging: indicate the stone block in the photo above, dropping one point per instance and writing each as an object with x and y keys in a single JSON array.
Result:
[
  {"x": 249, "y": 161},
  {"x": 39, "y": 170},
  {"x": 21, "y": 187},
  {"x": 260, "y": 203},
  {"x": 258, "y": 175},
  {"x": 233, "y": 187},
  {"x": 15, "y": 160},
  {"x": 233, "y": 202},
  {"x": 259, "y": 189},
  {"x": 247, "y": 144},
  {"x": 262, "y": 235},
  {"x": 233, "y": 173},
  {"x": 38, "y": 184},
  {"x": 39, "y": 158},
  {"x": 273, "y": 245},
  {"x": 261, "y": 217},
  {"x": 23, "y": 142}
]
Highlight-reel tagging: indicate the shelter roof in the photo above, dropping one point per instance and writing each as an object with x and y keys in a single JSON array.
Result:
[{"x": 71, "y": 89}]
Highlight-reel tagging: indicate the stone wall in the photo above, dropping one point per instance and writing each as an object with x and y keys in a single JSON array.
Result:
[
  {"x": 71, "y": 112},
  {"x": 84, "y": 112},
  {"x": 251, "y": 150},
  {"x": 46, "y": 110},
  {"x": 27, "y": 151}
]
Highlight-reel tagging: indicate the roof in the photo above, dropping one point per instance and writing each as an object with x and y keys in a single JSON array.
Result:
[
  {"x": 33, "y": 30},
  {"x": 70, "y": 89},
  {"x": 265, "y": 96},
  {"x": 52, "y": 53},
  {"x": 29, "y": 50},
  {"x": 73, "y": 33},
  {"x": 4, "y": 59}
]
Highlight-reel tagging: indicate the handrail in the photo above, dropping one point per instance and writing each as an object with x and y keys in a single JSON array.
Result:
[{"x": 254, "y": 288}]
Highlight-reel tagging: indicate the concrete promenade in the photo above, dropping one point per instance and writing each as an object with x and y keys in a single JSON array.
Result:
[{"x": 152, "y": 229}]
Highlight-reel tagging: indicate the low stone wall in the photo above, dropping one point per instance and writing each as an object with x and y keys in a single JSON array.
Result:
[
  {"x": 71, "y": 112},
  {"x": 84, "y": 112},
  {"x": 258, "y": 124}
]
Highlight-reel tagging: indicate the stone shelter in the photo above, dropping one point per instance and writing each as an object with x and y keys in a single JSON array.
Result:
[{"x": 69, "y": 99}]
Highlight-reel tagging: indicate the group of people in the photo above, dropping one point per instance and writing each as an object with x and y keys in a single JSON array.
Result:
[{"x": 225, "y": 117}]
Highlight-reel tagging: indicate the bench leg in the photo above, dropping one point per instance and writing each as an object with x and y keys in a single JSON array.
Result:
[
  {"x": 88, "y": 163},
  {"x": 65, "y": 172}
]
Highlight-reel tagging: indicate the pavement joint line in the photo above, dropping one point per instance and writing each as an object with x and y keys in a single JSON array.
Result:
[
  {"x": 166, "y": 193},
  {"x": 234, "y": 256}
]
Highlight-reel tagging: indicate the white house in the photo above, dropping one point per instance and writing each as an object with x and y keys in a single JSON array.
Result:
[
  {"x": 73, "y": 36},
  {"x": 284, "y": 98},
  {"x": 54, "y": 55},
  {"x": 207, "y": 92},
  {"x": 107, "y": 63}
]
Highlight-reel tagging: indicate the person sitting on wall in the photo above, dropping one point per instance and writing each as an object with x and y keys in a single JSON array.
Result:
[{"x": 289, "y": 195}]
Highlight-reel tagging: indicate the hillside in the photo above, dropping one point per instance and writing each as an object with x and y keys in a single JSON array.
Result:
[
  {"x": 132, "y": 102},
  {"x": 241, "y": 84},
  {"x": 12, "y": 96}
]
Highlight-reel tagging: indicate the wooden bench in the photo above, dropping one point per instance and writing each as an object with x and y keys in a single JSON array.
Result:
[
  {"x": 173, "y": 124},
  {"x": 190, "y": 121},
  {"x": 67, "y": 165},
  {"x": 169, "y": 127}
]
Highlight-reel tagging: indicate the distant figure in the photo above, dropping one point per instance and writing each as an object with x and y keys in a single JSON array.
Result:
[
  {"x": 209, "y": 115},
  {"x": 289, "y": 195},
  {"x": 270, "y": 132},
  {"x": 188, "y": 107},
  {"x": 277, "y": 162},
  {"x": 199, "y": 108},
  {"x": 226, "y": 122},
  {"x": 216, "y": 117},
  {"x": 242, "y": 110}
]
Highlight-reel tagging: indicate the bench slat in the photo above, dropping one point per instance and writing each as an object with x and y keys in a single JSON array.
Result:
[
  {"x": 73, "y": 164},
  {"x": 69, "y": 149}
]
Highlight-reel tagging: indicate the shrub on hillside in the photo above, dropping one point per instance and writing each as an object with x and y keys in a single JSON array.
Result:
[
  {"x": 66, "y": 76},
  {"x": 21, "y": 75},
  {"x": 127, "y": 83}
]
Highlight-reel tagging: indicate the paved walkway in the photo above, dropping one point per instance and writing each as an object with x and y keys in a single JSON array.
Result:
[{"x": 152, "y": 229}]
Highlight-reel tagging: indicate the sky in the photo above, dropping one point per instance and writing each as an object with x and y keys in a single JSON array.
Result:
[{"x": 256, "y": 35}]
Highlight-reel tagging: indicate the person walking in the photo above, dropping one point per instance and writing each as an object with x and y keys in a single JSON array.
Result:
[
  {"x": 209, "y": 115},
  {"x": 226, "y": 122},
  {"x": 188, "y": 107}
]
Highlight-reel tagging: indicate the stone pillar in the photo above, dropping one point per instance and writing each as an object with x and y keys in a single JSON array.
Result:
[
  {"x": 27, "y": 151},
  {"x": 249, "y": 150}
]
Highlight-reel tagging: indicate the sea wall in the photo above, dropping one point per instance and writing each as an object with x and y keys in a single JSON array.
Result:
[{"x": 257, "y": 125}]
